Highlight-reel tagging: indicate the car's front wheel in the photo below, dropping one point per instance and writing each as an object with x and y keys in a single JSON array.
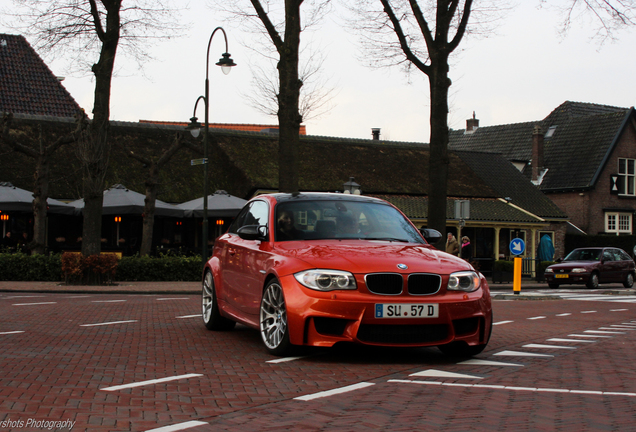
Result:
[
  {"x": 592, "y": 282},
  {"x": 210, "y": 308},
  {"x": 273, "y": 318},
  {"x": 629, "y": 280}
]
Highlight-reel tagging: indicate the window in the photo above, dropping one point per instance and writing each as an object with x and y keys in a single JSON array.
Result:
[
  {"x": 618, "y": 223},
  {"x": 253, "y": 214},
  {"x": 626, "y": 176}
]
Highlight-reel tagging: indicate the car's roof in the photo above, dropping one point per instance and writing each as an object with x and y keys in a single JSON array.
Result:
[{"x": 324, "y": 196}]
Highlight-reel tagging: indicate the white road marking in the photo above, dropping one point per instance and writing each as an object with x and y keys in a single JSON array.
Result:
[
  {"x": 443, "y": 374},
  {"x": 334, "y": 391},
  {"x": 564, "y": 314},
  {"x": 618, "y": 310},
  {"x": 620, "y": 328},
  {"x": 12, "y": 332},
  {"x": 174, "y": 298},
  {"x": 33, "y": 304},
  {"x": 502, "y": 322},
  {"x": 108, "y": 301},
  {"x": 178, "y": 426},
  {"x": 24, "y": 296},
  {"x": 569, "y": 340},
  {"x": 521, "y": 354},
  {"x": 284, "y": 359},
  {"x": 602, "y": 332},
  {"x": 589, "y": 336},
  {"x": 536, "y": 318},
  {"x": 190, "y": 316},
  {"x": 547, "y": 346},
  {"x": 107, "y": 323},
  {"x": 586, "y": 312},
  {"x": 480, "y": 362},
  {"x": 149, "y": 382},
  {"x": 512, "y": 388}
]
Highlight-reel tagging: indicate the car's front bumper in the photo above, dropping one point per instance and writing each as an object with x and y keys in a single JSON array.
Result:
[
  {"x": 325, "y": 318},
  {"x": 572, "y": 278}
]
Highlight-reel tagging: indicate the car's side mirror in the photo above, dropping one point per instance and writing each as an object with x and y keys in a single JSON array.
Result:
[
  {"x": 252, "y": 232},
  {"x": 430, "y": 235}
]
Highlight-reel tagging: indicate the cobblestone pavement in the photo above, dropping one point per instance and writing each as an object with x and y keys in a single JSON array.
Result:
[{"x": 119, "y": 362}]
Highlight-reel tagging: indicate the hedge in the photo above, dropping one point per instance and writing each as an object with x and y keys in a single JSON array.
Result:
[{"x": 23, "y": 267}]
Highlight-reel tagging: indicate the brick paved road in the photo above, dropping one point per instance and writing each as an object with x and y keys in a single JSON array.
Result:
[{"x": 59, "y": 352}]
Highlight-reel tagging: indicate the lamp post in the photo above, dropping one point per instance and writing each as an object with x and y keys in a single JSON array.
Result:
[{"x": 226, "y": 64}]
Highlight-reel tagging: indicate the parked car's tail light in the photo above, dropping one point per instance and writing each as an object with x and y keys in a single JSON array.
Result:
[
  {"x": 578, "y": 270},
  {"x": 326, "y": 280},
  {"x": 464, "y": 281}
]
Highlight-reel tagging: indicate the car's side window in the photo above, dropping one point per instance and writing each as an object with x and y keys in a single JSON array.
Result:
[
  {"x": 258, "y": 214},
  {"x": 240, "y": 219},
  {"x": 624, "y": 256},
  {"x": 607, "y": 255}
]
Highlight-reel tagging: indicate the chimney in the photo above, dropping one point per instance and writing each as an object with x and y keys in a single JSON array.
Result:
[
  {"x": 472, "y": 124},
  {"x": 376, "y": 134},
  {"x": 537, "y": 152}
]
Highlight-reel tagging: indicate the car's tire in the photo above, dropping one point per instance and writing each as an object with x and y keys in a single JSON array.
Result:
[
  {"x": 629, "y": 280},
  {"x": 553, "y": 285},
  {"x": 210, "y": 308},
  {"x": 592, "y": 282},
  {"x": 273, "y": 319},
  {"x": 462, "y": 349}
]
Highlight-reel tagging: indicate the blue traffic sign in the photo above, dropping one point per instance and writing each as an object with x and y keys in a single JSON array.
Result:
[{"x": 517, "y": 246}]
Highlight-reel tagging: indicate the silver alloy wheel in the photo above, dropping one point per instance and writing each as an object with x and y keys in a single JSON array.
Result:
[
  {"x": 207, "y": 297},
  {"x": 629, "y": 281},
  {"x": 593, "y": 282},
  {"x": 273, "y": 316}
]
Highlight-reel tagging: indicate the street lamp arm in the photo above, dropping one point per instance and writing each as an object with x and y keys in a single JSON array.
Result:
[{"x": 207, "y": 61}]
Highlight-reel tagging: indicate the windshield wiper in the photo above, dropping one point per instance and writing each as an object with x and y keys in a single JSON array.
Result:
[{"x": 387, "y": 239}]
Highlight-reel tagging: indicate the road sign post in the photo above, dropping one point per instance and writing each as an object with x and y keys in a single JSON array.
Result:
[{"x": 517, "y": 247}]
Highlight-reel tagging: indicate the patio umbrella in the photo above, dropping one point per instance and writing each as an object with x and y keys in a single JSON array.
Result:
[
  {"x": 15, "y": 199},
  {"x": 220, "y": 204},
  {"x": 119, "y": 200}
]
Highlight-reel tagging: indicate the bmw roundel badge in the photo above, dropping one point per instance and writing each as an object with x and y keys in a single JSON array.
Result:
[{"x": 402, "y": 266}]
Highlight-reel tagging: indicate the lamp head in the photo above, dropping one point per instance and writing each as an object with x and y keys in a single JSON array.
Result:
[
  {"x": 194, "y": 127},
  {"x": 226, "y": 63}
]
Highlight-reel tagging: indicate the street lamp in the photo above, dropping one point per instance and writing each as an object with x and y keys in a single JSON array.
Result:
[
  {"x": 226, "y": 64},
  {"x": 351, "y": 187}
]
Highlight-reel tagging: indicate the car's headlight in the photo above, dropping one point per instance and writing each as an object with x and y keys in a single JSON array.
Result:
[
  {"x": 326, "y": 280},
  {"x": 578, "y": 270},
  {"x": 464, "y": 281},
  {"x": 549, "y": 270}
]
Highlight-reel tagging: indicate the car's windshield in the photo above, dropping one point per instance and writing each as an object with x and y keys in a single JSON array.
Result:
[
  {"x": 584, "y": 255},
  {"x": 341, "y": 219}
]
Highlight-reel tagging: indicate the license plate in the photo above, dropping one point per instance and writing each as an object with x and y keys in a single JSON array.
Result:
[
  {"x": 561, "y": 276},
  {"x": 406, "y": 310}
]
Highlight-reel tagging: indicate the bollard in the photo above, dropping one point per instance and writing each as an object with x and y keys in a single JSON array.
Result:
[{"x": 516, "y": 280}]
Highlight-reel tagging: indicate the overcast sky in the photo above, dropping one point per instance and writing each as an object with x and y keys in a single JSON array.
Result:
[{"x": 519, "y": 74}]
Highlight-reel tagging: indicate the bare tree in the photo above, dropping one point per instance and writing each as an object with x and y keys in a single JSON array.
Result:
[
  {"x": 82, "y": 29},
  {"x": 42, "y": 155},
  {"x": 282, "y": 23},
  {"x": 152, "y": 183},
  {"x": 422, "y": 34}
]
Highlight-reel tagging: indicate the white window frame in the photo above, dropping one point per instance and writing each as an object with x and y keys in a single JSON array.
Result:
[
  {"x": 626, "y": 179},
  {"x": 618, "y": 223}
]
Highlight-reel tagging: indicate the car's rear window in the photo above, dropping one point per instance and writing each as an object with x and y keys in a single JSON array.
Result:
[{"x": 341, "y": 219}]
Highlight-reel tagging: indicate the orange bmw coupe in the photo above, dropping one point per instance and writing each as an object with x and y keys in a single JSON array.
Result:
[{"x": 316, "y": 269}]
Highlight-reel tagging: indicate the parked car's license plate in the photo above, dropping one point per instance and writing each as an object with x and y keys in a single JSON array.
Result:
[
  {"x": 406, "y": 310},
  {"x": 561, "y": 276}
]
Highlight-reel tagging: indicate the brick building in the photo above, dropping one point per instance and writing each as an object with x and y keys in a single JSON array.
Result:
[{"x": 582, "y": 156}]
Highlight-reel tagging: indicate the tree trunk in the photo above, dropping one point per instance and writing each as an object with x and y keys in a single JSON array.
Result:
[
  {"x": 439, "y": 160},
  {"x": 289, "y": 119},
  {"x": 95, "y": 151},
  {"x": 149, "y": 210},
  {"x": 40, "y": 195}
]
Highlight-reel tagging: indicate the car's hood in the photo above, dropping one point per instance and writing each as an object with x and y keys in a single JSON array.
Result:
[
  {"x": 364, "y": 256},
  {"x": 571, "y": 264}
]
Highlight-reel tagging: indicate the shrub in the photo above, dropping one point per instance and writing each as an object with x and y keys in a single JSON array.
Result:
[
  {"x": 503, "y": 266},
  {"x": 90, "y": 270},
  {"x": 162, "y": 268},
  {"x": 23, "y": 267}
]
